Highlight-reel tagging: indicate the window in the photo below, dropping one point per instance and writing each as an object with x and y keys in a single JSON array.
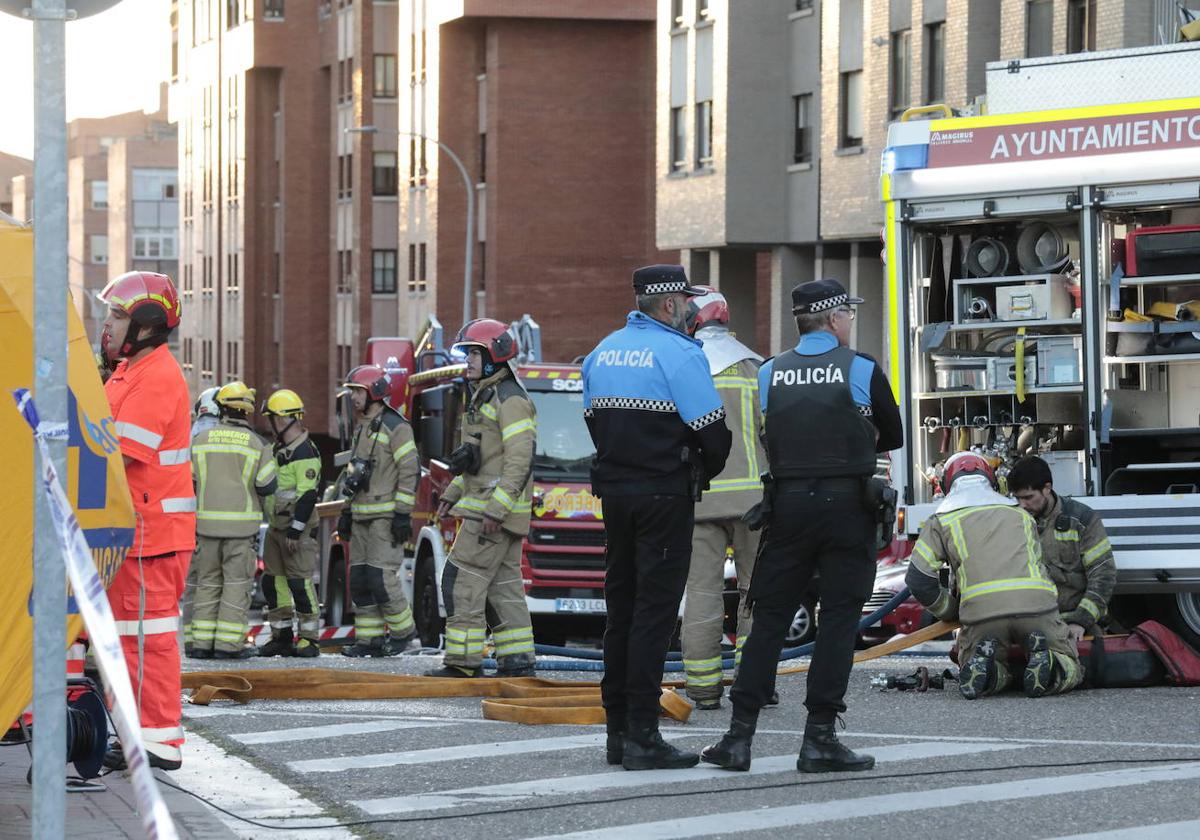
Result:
[
  {"x": 154, "y": 184},
  {"x": 233, "y": 13},
  {"x": 345, "y": 269},
  {"x": 385, "y": 76},
  {"x": 704, "y": 131},
  {"x": 345, "y": 176},
  {"x": 422, "y": 278},
  {"x": 383, "y": 272},
  {"x": 99, "y": 195},
  {"x": 901, "y": 75},
  {"x": 99, "y": 244},
  {"x": 273, "y": 9},
  {"x": 1081, "y": 26},
  {"x": 702, "y": 10},
  {"x": 804, "y": 5},
  {"x": 412, "y": 268},
  {"x": 482, "y": 157},
  {"x": 1039, "y": 28},
  {"x": 383, "y": 174},
  {"x": 850, "y": 132},
  {"x": 677, "y": 12},
  {"x": 802, "y": 141},
  {"x": 189, "y": 360},
  {"x": 935, "y": 63},
  {"x": 678, "y": 140},
  {"x": 153, "y": 244}
]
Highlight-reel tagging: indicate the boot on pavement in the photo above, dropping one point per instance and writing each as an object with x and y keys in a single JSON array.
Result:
[
  {"x": 397, "y": 645},
  {"x": 114, "y": 760},
  {"x": 373, "y": 647},
  {"x": 280, "y": 644},
  {"x": 455, "y": 671},
  {"x": 645, "y": 749},
  {"x": 306, "y": 649},
  {"x": 614, "y": 746},
  {"x": 822, "y": 752},
  {"x": 248, "y": 652},
  {"x": 732, "y": 752},
  {"x": 978, "y": 677}
]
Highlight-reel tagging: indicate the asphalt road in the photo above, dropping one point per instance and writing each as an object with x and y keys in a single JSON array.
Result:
[{"x": 997, "y": 768}]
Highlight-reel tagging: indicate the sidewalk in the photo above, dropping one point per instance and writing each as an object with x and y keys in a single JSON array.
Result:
[{"x": 101, "y": 815}]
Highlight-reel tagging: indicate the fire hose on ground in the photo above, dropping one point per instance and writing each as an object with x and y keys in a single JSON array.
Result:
[{"x": 528, "y": 700}]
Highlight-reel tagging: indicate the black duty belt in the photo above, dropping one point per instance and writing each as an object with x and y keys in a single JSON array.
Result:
[{"x": 834, "y": 484}]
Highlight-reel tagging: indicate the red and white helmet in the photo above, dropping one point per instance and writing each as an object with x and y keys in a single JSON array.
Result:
[
  {"x": 966, "y": 463},
  {"x": 150, "y": 300},
  {"x": 371, "y": 378},
  {"x": 708, "y": 308},
  {"x": 495, "y": 341}
]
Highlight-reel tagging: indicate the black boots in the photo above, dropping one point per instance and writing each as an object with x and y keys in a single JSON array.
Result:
[
  {"x": 240, "y": 653},
  {"x": 978, "y": 677},
  {"x": 455, "y": 672},
  {"x": 732, "y": 752},
  {"x": 614, "y": 746},
  {"x": 1039, "y": 669},
  {"x": 280, "y": 644},
  {"x": 822, "y": 752},
  {"x": 645, "y": 749}
]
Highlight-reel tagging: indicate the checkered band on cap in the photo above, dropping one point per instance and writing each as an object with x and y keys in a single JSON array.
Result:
[
  {"x": 822, "y": 305},
  {"x": 662, "y": 288},
  {"x": 633, "y": 403}
]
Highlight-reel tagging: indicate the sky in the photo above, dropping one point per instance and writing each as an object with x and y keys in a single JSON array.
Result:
[{"x": 115, "y": 61}]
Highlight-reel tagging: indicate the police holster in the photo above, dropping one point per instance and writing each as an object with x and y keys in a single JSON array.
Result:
[
  {"x": 758, "y": 515},
  {"x": 879, "y": 498}
]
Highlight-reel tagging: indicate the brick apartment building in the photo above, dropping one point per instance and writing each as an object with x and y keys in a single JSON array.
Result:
[
  {"x": 550, "y": 106},
  {"x": 288, "y": 214},
  {"x": 772, "y": 117},
  {"x": 122, "y": 211}
]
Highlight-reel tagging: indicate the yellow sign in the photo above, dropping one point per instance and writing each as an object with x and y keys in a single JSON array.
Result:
[
  {"x": 95, "y": 477},
  {"x": 568, "y": 502}
]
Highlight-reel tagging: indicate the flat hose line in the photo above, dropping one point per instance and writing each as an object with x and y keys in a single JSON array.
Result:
[{"x": 528, "y": 700}]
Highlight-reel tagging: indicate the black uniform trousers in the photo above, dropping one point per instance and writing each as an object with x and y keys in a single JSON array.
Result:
[
  {"x": 646, "y": 566},
  {"x": 824, "y": 529}
]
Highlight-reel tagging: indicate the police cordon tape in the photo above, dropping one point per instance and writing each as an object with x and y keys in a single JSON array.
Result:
[{"x": 102, "y": 630}]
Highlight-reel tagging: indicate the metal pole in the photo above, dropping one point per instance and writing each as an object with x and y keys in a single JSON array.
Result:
[
  {"x": 469, "y": 250},
  {"x": 50, "y": 390}
]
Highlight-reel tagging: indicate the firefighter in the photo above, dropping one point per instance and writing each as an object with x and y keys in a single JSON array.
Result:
[
  {"x": 660, "y": 435},
  {"x": 233, "y": 470},
  {"x": 379, "y": 485},
  {"x": 290, "y": 553},
  {"x": 1075, "y": 546},
  {"x": 205, "y": 412},
  {"x": 149, "y": 400},
  {"x": 719, "y": 525},
  {"x": 979, "y": 559},
  {"x": 827, "y": 411},
  {"x": 491, "y": 494}
]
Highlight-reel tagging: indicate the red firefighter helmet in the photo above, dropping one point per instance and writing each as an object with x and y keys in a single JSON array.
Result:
[
  {"x": 149, "y": 299},
  {"x": 707, "y": 309},
  {"x": 371, "y": 378},
  {"x": 966, "y": 463},
  {"x": 494, "y": 339}
]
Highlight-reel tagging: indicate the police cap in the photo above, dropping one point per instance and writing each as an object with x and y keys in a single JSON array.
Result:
[
  {"x": 820, "y": 296},
  {"x": 662, "y": 280}
]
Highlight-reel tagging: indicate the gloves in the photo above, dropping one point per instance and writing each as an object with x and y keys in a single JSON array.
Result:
[
  {"x": 401, "y": 528},
  {"x": 344, "y": 524}
]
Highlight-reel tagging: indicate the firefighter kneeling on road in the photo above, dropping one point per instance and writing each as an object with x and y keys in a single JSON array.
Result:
[
  {"x": 290, "y": 553},
  {"x": 379, "y": 484},
  {"x": 978, "y": 559},
  {"x": 490, "y": 493},
  {"x": 233, "y": 469}
]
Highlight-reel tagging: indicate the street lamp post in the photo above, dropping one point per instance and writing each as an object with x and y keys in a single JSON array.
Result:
[{"x": 469, "y": 249}]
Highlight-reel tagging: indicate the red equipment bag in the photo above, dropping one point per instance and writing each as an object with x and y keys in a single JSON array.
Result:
[
  {"x": 1119, "y": 662},
  {"x": 1180, "y": 660}
]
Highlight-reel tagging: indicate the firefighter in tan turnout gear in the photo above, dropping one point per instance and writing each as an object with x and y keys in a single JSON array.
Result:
[
  {"x": 978, "y": 559},
  {"x": 490, "y": 493},
  {"x": 379, "y": 484},
  {"x": 233, "y": 469},
  {"x": 290, "y": 552},
  {"x": 719, "y": 526}
]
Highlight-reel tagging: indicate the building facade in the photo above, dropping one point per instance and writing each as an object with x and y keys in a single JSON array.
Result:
[
  {"x": 549, "y": 106},
  {"x": 772, "y": 116},
  {"x": 288, "y": 220},
  {"x": 11, "y": 168}
]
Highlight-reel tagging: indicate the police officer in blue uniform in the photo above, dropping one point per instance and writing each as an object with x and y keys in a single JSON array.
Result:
[
  {"x": 660, "y": 435},
  {"x": 827, "y": 411}
]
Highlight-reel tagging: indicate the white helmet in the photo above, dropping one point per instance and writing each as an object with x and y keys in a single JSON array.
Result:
[{"x": 206, "y": 403}]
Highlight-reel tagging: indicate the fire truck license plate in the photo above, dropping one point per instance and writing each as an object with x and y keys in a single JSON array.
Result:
[{"x": 580, "y": 605}]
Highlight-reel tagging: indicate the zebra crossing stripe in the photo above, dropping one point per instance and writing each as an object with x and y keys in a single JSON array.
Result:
[
  {"x": 459, "y": 753},
  {"x": 813, "y": 813},
  {"x": 1162, "y": 831},
  {"x": 333, "y": 730},
  {"x": 508, "y": 794}
]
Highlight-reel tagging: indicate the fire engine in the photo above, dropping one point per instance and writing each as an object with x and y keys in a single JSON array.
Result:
[{"x": 1042, "y": 273}]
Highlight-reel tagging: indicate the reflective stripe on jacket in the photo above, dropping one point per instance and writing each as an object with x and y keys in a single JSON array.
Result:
[
  {"x": 387, "y": 442},
  {"x": 233, "y": 468},
  {"x": 738, "y": 487}
]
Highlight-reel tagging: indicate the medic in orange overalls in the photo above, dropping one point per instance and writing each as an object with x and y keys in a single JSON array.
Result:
[{"x": 150, "y": 405}]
